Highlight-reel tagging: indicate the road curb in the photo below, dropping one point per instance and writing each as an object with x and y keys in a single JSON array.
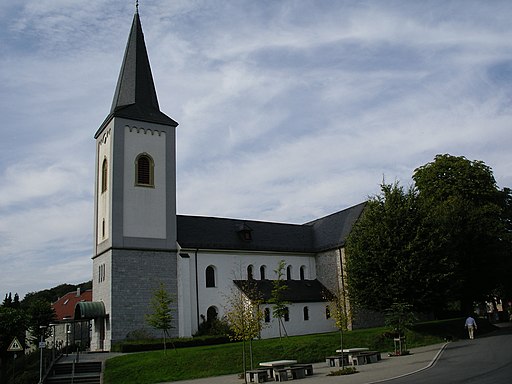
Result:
[{"x": 430, "y": 365}]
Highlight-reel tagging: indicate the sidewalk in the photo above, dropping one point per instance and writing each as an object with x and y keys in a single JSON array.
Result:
[{"x": 387, "y": 368}]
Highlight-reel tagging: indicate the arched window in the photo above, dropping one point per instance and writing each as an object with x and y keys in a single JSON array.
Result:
[
  {"x": 267, "y": 315},
  {"x": 210, "y": 276},
  {"x": 306, "y": 313},
  {"x": 144, "y": 166},
  {"x": 286, "y": 314},
  {"x": 211, "y": 314},
  {"x": 250, "y": 273},
  {"x": 302, "y": 272},
  {"x": 289, "y": 272},
  {"x": 262, "y": 272},
  {"x": 104, "y": 175}
]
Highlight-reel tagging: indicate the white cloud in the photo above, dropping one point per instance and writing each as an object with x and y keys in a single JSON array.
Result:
[{"x": 288, "y": 110}]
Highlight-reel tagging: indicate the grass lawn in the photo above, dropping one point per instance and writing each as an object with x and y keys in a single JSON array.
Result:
[{"x": 197, "y": 362}]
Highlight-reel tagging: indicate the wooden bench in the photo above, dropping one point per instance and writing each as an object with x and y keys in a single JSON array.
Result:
[{"x": 257, "y": 376}]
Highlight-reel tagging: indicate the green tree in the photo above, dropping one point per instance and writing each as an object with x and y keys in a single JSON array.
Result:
[
  {"x": 464, "y": 202},
  {"x": 40, "y": 315},
  {"x": 340, "y": 311},
  {"x": 161, "y": 317},
  {"x": 399, "y": 317},
  {"x": 279, "y": 305},
  {"x": 245, "y": 316},
  {"x": 13, "y": 323},
  {"x": 390, "y": 257}
]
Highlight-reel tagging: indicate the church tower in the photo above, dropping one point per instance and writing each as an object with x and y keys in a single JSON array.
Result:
[{"x": 135, "y": 202}]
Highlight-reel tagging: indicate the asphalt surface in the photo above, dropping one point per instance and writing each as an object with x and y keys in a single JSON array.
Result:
[{"x": 484, "y": 360}]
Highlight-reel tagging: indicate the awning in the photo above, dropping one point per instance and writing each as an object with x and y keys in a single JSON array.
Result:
[{"x": 86, "y": 310}]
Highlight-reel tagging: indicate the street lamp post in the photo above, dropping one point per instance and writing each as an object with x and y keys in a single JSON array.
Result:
[{"x": 41, "y": 347}]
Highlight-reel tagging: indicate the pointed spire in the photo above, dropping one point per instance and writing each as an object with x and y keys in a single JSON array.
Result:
[{"x": 135, "y": 96}]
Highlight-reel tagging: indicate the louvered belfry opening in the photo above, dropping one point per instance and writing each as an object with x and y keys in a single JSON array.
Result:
[{"x": 144, "y": 170}]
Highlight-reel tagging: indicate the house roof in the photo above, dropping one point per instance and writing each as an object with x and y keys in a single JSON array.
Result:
[
  {"x": 228, "y": 234},
  {"x": 332, "y": 231},
  {"x": 135, "y": 95},
  {"x": 299, "y": 291},
  {"x": 65, "y": 306}
]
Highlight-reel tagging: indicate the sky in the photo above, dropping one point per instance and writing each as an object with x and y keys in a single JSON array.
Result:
[{"x": 288, "y": 110}]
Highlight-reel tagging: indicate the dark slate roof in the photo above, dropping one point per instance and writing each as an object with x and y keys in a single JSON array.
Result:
[
  {"x": 135, "y": 96},
  {"x": 332, "y": 231},
  {"x": 299, "y": 291},
  {"x": 222, "y": 233}
]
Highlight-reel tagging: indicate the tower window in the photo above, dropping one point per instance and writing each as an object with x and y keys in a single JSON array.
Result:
[
  {"x": 104, "y": 175},
  {"x": 289, "y": 272},
  {"x": 250, "y": 273},
  {"x": 210, "y": 277},
  {"x": 144, "y": 175}
]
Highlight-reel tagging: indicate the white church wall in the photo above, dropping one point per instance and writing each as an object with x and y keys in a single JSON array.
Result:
[
  {"x": 297, "y": 325},
  {"x": 104, "y": 152},
  {"x": 143, "y": 203},
  {"x": 229, "y": 266}
]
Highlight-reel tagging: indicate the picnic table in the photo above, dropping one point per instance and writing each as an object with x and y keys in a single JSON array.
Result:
[
  {"x": 353, "y": 350},
  {"x": 358, "y": 356},
  {"x": 278, "y": 368}
]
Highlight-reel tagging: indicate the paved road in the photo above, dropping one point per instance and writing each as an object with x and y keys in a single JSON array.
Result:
[{"x": 484, "y": 360}]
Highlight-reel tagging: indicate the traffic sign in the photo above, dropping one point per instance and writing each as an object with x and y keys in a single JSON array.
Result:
[{"x": 15, "y": 346}]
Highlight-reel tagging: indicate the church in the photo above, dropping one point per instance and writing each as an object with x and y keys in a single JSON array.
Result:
[{"x": 140, "y": 242}]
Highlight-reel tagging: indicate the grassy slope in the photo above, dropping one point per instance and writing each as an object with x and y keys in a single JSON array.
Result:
[{"x": 196, "y": 362}]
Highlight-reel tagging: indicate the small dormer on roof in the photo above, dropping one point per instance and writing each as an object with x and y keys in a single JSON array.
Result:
[{"x": 244, "y": 231}]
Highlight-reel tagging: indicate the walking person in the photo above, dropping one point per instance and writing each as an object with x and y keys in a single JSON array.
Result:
[{"x": 471, "y": 326}]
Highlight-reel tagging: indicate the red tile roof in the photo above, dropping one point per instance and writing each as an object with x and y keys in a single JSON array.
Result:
[{"x": 65, "y": 306}]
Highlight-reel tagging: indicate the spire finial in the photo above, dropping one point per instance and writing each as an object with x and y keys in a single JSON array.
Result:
[{"x": 136, "y": 6}]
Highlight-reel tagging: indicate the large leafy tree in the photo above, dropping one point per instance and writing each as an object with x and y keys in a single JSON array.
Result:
[
  {"x": 464, "y": 202},
  {"x": 40, "y": 315},
  {"x": 390, "y": 256}
]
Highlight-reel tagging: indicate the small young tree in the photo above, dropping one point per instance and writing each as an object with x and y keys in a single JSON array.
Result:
[
  {"x": 340, "y": 312},
  {"x": 244, "y": 316},
  {"x": 279, "y": 305},
  {"x": 400, "y": 317},
  {"x": 161, "y": 317}
]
